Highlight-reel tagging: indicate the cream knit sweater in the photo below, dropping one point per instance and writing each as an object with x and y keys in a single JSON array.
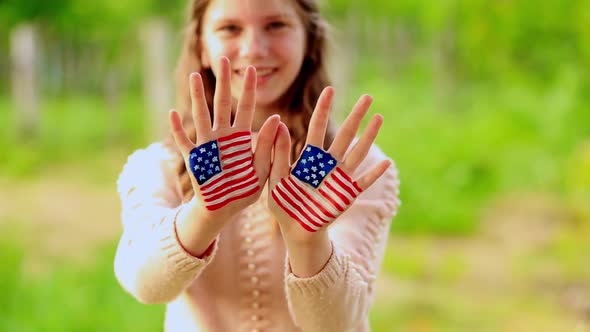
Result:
[{"x": 245, "y": 284}]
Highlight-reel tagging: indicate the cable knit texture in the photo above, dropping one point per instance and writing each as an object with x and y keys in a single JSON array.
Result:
[{"x": 246, "y": 284}]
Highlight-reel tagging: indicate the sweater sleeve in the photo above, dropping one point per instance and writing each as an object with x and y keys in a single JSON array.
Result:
[
  {"x": 150, "y": 262},
  {"x": 338, "y": 298}
]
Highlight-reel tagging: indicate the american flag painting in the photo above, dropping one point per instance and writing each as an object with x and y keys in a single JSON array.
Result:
[
  {"x": 317, "y": 191},
  {"x": 224, "y": 170}
]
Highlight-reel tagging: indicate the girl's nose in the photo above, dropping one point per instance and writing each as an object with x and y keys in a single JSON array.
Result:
[{"x": 254, "y": 44}]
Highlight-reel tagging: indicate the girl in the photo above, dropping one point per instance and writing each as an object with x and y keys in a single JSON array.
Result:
[{"x": 218, "y": 223}]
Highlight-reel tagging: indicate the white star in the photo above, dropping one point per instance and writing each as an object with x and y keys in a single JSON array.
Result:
[
  {"x": 311, "y": 158},
  {"x": 320, "y": 156},
  {"x": 217, "y": 168},
  {"x": 322, "y": 173},
  {"x": 202, "y": 177},
  {"x": 315, "y": 182},
  {"x": 213, "y": 146},
  {"x": 211, "y": 165},
  {"x": 305, "y": 170},
  {"x": 209, "y": 172},
  {"x": 202, "y": 150},
  {"x": 206, "y": 161},
  {"x": 314, "y": 176},
  {"x": 313, "y": 168},
  {"x": 331, "y": 162},
  {"x": 304, "y": 161},
  {"x": 203, "y": 169},
  {"x": 214, "y": 159},
  {"x": 209, "y": 153},
  {"x": 322, "y": 165},
  {"x": 199, "y": 159},
  {"x": 298, "y": 172},
  {"x": 193, "y": 155},
  {"x": 307, "y": 178},
  {"x": 308, "y": 149},
  {"x": 196, "y": 167}
]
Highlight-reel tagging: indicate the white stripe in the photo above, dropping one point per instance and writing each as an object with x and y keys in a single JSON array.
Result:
[
  {"x": 323, "y": 202},
  {"x": 223, "y": 191},
  {"x": 333, "y": 194},
  {"x": 342, "y": 189},
  {"x": 235, "y": 193},
  {"x": 245, "y": 147},
  {"x": 236, "y": 158},
  {"x": 317, "y": 197},
  {"x": 349, "y": 184},
  {"x": 234, "y": 140},
  {"x": 310, "y": 217},
  {"x": 227, "y": 179},
  {"x": 290, "y": 208}
]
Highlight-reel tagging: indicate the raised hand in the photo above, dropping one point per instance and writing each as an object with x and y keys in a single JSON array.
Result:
[
  {"x": 227, "y": 175},
  {"x": 309, "y": 196}
]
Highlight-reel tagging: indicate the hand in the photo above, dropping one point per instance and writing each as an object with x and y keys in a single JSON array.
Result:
[
  {"x": 306, "y": 198},
  {"x": 226, "y": 175}
]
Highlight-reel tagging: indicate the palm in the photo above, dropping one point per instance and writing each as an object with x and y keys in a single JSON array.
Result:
[
  {"x": 309, "y": 196},
  {"x": 226, "y": 174}
]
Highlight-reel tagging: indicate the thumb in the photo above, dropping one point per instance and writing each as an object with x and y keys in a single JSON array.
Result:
[{"x": 281, "y": 165}]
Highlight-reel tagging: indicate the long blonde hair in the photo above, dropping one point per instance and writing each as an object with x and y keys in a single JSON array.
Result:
[{"x": 298, "y": 101}]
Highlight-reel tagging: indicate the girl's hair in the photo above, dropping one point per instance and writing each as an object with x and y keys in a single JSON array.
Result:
[{"x": 298, "y": 101}]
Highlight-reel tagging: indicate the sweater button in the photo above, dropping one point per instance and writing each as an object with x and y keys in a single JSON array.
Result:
[
  {"x": 254, "y": 279},
  {"x": 251, "y": 266},
  {"x": 256, "y": 293},
  {"x": 248, "y": 239},
  {"x": 255, "y": 330},
  {"x": 250, "y": 252},
  {"x": 247, "y": 225},
  {"x": 254, "y": 318},
  {"x": 255, "y": 305}
]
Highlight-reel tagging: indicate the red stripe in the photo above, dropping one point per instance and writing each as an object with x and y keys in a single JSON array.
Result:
[
  {"x": 235, "y": 153},
  {"x": 326, "y": 196},
  {"x": 304, "y": 193},
  {"x": 294, "y": 216},
  {"x": 349, "y": 179},
  {"x": 223, "y": 190},
  {"x": 357, "y": 187},
  {"x": 228, "y": 174},
  {"x": 310, "y": 209},
  {"x": 232, "y": 136},
  {"x": 230, "y": 145},
  {"x": 297, "y": 207},
  {"x": 344, "y": 186},
  {"x": 337, "y": 193},
  {"x": 237, "y": 162},
  {"x": 222, "y": 204}
]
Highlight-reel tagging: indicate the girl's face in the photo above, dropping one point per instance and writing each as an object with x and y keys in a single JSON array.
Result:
[{"x": 267, "y": 34}]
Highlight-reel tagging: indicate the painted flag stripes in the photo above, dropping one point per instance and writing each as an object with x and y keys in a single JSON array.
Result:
[
  {"x": 224, "y": 170},
  {"x": 315, "y": 204}
]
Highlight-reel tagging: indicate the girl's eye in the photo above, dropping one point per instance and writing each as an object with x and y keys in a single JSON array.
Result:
[
  {"x": 229, "y": 28},
  {"x": 276, "y": 25}
]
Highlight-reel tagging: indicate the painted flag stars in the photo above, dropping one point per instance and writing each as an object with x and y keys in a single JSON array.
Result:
[
  {"x": 317, "y": 191},
  {"x": 223, "y": 169}
]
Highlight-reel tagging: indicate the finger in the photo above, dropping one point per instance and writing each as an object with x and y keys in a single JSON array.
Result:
[
  {"x": 371, "y": 176},
  {"x": 349, "y": 128},
  {"x": 182, "y": 141},
  {"x": 222, "y": 98},
  {"x": 361, "y": 148},
  {"x": 282, "y": 147},
  {"x": 319, "y": 118},
  {"x": 247, "y": 102},
  {"x": 263, "y": 152},
  {"x": 200, "y": 111}
]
